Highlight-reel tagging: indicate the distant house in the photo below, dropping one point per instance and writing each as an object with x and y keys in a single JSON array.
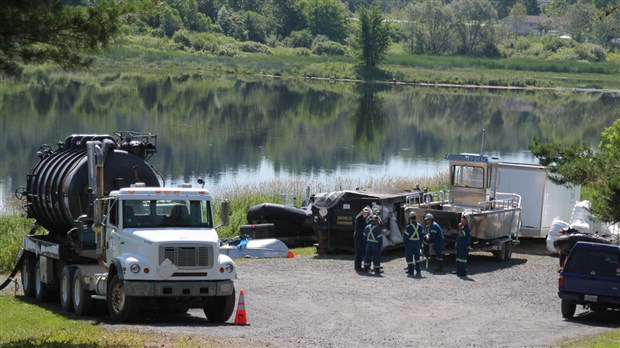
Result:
[{"x": 529, "y": 24}]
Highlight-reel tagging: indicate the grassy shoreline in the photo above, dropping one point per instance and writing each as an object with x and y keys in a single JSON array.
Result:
[{"x": 135, "y": 55}]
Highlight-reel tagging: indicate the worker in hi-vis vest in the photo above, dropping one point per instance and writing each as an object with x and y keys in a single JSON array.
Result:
[
  {"x": 374, "y": 243},
  {"x": 434, "y": 235},
  {"x": 462, "y": 246},
  {"x": 414, "y": 232}
]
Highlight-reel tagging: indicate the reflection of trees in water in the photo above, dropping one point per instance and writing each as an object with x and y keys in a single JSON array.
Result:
[
  {"x": 208, "y": 126},
  {"x": 369, "y": 119}
]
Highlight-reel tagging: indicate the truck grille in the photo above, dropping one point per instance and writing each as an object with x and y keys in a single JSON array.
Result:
[{"x": 186, "y": 257}]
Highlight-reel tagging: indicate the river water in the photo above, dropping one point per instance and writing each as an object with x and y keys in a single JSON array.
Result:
[{"x": 252, "y": 131}]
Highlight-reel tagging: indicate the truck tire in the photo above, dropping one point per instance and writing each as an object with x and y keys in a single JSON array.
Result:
[
  {"x": 41, "y": 292},
  {"x": 220, "y": 308},
  {"x": 568, "y": 309},
  {"x": 83, "y": 304},
  {"x": 66, "y": 288},
  {"x": 507, "y": 251},
  {"x": 500, "y": 255},
  {"x": 28, "y": 274},
  {"x": 121, "y": 308}
]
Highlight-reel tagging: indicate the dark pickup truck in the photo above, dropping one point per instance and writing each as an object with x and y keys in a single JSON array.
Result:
[{"x": 590, "y": 277}]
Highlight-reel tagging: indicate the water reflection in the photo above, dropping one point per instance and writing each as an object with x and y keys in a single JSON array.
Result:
[{"x": 237, "y": 131}]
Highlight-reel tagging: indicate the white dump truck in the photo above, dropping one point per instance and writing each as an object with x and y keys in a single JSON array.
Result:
[{"x": 114, "y": 234}]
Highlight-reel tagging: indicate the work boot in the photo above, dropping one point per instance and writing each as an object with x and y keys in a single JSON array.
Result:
[
  {"x": 378, "y": 271},
  {"x": 418, "y": 274},
  {"x": 365, "y": 269}
]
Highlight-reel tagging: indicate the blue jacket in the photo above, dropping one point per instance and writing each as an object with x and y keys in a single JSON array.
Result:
[
  {"x": 374, "y": 234},
  {"x": 434, "y": 232},
  {"x": 414, "y": 232}
]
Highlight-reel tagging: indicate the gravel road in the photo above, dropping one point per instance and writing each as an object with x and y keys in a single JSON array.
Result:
[{"x": 322, "y": 302}]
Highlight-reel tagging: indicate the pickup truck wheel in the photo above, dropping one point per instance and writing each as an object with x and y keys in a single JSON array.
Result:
[
  {"x": 83, "y": 304},
  {"x": 122, "y": 308},
  {"x": 220, "y": 308},
  {"x": 568, "y": 309},
  {"x": 41, "y": 292},
  {"x": 28, "y": 274},
  {"x": 66, "y": 288}
]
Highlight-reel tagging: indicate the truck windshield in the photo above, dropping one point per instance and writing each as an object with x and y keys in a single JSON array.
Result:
[
  {"x": 594, "y": 262},
  {"x": 166, "y": 213}
]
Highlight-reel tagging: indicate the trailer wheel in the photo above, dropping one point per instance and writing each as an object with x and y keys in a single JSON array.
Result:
[
  {"x": 507, "y": 251},
  {"x": 41, "y": 292},
  {"x": 28, "y": 274},
  {"x": 122, "y": 308},
  {"x": 83, "y": 304},
  {"x": 220, "y": 308},
  {"x": 568, "y": 309},
  {"x": 66, "y": 288}
]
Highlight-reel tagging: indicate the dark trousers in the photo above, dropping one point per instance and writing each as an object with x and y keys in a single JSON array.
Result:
[{"x": 360, "y": 249}]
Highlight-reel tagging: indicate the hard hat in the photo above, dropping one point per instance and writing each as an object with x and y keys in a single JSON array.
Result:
[
  {"x": 375, "y": 217},
  {"x": 412, "y": 215},
  {"x": 428, "y": 216},
  {"x": 367, "y": 210}
]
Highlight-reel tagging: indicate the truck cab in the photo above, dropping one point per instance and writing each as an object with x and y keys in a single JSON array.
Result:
[{"x": 162, "y": 243}]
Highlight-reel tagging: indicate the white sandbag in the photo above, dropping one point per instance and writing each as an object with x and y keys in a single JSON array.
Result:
[
  {"x": 581, "y": 226},
  {"x": 554, "y": 233},
  {"x": 580, "y": 212},
  {"x": 395, "y": 235}
]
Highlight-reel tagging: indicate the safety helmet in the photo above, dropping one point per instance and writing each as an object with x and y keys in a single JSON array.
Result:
[
  {"x": 428, "y": 216},
  {"x": 375, "y": 217},
  {"x": 367, "y": 210},
  {"x": 412, "y": 215}
]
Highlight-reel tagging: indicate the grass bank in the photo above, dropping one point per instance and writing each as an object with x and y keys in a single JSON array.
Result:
[{"x": 146, "y": 56}]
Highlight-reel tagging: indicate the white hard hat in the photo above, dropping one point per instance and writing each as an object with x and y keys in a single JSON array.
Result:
[
  {"x": 428, "y": 216},
  {"x": 412, "y": 215}
]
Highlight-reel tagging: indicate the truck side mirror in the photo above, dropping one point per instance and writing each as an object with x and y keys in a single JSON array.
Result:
[{"x": 224, "y": 213}]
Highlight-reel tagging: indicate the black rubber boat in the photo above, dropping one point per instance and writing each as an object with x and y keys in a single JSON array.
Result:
[{"x": 291, "y": 225}]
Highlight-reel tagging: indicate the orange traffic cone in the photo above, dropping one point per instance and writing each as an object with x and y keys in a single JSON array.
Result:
[
  {"x": 291, "y": 254},
  {"x": 240, "y": 318}
]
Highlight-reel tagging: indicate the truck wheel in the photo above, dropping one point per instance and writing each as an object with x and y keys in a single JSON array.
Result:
[
  {"x": 28, "y": 274},
  {"x": 500, "y": 255},
  {"x": 220, "y": 308},
  {"x": 83, "y": 304},
  {"x": 66, "y": 285},
  {"x": 568, "y": 309},
  {"x": 41, "y": 292},
  {"x": 507, "y": 251},
  {"x": 121, "y": 308}
]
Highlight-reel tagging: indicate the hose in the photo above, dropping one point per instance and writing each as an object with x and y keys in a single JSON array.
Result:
[{"x": 20, "y": 259}]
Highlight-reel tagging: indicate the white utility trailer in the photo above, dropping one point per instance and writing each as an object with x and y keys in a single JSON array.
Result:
[{"x": 541, "y": 199}]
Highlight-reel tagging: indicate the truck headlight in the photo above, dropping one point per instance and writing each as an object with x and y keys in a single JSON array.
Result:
[
  {"x": 135, "y": 268},
  {"x": 227, "y": 267}
]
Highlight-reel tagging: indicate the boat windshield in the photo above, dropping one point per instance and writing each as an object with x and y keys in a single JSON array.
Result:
[
  {"x": 166, "y": 213},
  {"x": 467, "y": 176}
]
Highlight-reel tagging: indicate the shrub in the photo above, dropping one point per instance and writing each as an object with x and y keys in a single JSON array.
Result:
[
  {"x": 302, "y": 51},
  {"x": 329, "y": 48},
  {"x": 227, "y": 49},
  {"x": 522, "y": 44},
  {"x": 253, "y": 47},
  {"x": 300, "y": 38},
  {"x": 182, "y": 39}
]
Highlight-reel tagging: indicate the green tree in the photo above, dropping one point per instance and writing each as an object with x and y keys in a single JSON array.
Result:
[
  {"x": 38, "y": 31},
  {"x": 429, "y": 28},
  {"x": 580, "y": 165},
  {"x": 372, "y": 36},
  {"x": 577, "y": 19},
  {"x": 325, "y": 17},
  {"x": 474, "y": 22}
]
